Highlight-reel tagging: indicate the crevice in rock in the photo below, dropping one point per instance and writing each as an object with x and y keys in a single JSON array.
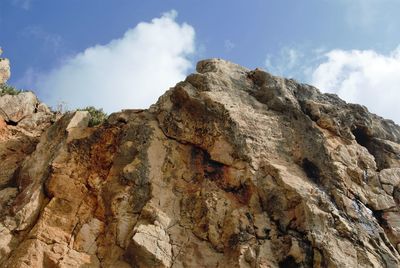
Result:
[
  {"x": 311, "y": 170},
  {"x": 387, "y": 242},
  {"x": 239, "y": 238},
  {"x": 379, "y": 216},
  {"x": 377, "y": 150},
  {"x": 396, "y": 195},
  {"x": 362, "y": 137},
  {"x": 14, "y": 179},
  {"x": 11, "y": 123},
  {"x": 288, "y": 262},
  {"x": 216, "y": 172}
]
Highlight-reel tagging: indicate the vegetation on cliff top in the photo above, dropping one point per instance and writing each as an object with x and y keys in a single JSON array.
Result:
[
  {"x": 9, "y": 90},
  {"x": 97, "y": 116}
]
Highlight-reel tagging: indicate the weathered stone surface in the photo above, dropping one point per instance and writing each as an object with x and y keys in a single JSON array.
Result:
[
  {"x": 14, "y": 108},
  {"x": 25, "y": 110},
  {"x": 80, "y": 120},
  {"x": 151, "y": 247},
  {"x": 4, "y": 69},
  {"x": 21, "y": 126},
  {"x": 230, "y": 168}
]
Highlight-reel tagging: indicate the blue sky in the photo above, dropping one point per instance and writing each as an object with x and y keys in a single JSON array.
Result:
[{"x": 63, "y": 49}]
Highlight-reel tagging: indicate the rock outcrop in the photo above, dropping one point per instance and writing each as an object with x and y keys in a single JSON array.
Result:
[
  {"x": 230, "y": 168},
  {"x": 23, "y": 119},
  {"x": 4, "y": 69}
]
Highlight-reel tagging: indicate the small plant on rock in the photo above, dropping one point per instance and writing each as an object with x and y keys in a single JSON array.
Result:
[
  {"x": 97, "y": 116},
  {"x": 8, "y": 90}
]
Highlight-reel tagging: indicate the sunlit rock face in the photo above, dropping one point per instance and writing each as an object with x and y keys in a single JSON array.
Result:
[
  {"x": 230, "y": 168},
  {"x": 4, "y": 69}
]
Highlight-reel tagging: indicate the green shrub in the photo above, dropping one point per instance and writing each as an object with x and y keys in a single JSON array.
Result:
[
  {"x": 8, "y": 90},
  {"x": 97, "y": 116}
]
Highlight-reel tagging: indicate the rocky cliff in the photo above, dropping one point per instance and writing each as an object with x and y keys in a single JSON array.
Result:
[{"x": 230, "y": 168}]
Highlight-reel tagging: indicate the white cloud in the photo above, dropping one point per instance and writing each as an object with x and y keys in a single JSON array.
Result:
[
  {"x": 130, "y": 72},
  {"x": 362, "y": 76}
]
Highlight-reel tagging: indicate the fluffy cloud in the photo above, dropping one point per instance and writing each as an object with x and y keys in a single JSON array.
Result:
[
  {"x": 362, "y": 76},
  {"x": 130, "y": 72}
]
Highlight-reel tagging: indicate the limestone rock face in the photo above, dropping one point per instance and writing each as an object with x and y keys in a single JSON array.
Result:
[
  {"x": 26, "y": 111},
  {"x": 21, "y": 125},
  {"x": 230, "y": 168},
  {"x": 4, "y": 69}
]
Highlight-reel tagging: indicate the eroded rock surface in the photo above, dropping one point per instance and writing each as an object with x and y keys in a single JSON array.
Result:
[
  {"x": 230, "y": 168},
  {"x": 4, "y": 69}
]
